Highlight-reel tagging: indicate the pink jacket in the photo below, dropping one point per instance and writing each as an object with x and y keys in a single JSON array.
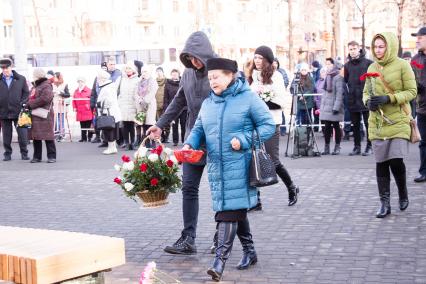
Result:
[{"x": 82, "y": 107}]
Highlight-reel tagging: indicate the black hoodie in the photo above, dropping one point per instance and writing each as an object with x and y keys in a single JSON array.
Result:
[
  {"x": 354, "y": 68},
  {"x": 194, "y": 86}
]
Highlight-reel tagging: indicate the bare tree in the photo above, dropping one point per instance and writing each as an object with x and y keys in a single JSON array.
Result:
[
  {"x": 400, "y": 4},
  {"x": 363, "y": 11},
  {"x": 334, "y": 7},
  {"x": 290, "y": 35},
  {"x": 422, "y": 12},
  {"x": 38, "y": 23},
  {"x": 81, "y": 26}
]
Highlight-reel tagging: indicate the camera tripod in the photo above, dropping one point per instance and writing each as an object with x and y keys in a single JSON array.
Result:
[{"x": 296, "y": 91}]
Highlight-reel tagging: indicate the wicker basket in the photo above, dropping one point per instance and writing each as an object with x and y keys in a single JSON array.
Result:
[{"x": 154, "y": 198}]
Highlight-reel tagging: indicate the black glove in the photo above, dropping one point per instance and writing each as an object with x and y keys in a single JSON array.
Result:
[
  {"x": 379, "y": 100},
  {"x": 335, "y": 112},
  {"x": 372, "y": 107}
]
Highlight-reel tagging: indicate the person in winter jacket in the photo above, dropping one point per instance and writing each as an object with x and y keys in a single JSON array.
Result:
[
  {"x": 354, "y": 68},
  {"x": 127, "y": 103},
  {"x": 389, "y": 123},
  {"x": 13, "y": 95},
  {"x": 108, "y": 104},
  {"x": 268, "y": 84},
  {"x": 93, "y": 100},
  {"x": 418, "y": 64},
  {"x": 159, "y": 96},
  {"x": 276, "y": 64},
  {"x": 42, "y": 128},
  {"x": 194, "y": 89},
  {"x": 332, "y": 110},
  {"x": 305, "y": 104},
  {"x": 171, "y": 89},
  {"x": 81, "y": 106},
  {"x": 61, "y": 94},
  {"x": 225, "y": 123}
]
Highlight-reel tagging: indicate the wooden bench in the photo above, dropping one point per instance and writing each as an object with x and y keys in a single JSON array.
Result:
[{"x": 35, "y": 256}]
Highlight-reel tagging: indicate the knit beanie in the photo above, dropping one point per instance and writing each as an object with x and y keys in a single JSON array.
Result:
[
  {"x": 266, "y": 52},
  {"x": 222, "y": 64},
  {"x": 38, "y": 73}
]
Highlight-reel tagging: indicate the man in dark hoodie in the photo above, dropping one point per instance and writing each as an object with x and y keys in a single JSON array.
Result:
[
  {"x": 356, "y": 66},
  {"x": 194, "y": 88}
]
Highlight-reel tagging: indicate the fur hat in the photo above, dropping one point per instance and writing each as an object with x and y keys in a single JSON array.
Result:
[
  {"x": 222, "y": 64},
  {"x": 131, "y": 65},
  {"x": 266, "y": 52},
  {"x": 406, "y": 54},
  {"x": 38, "y": 73},
  {"x": 5, "y": 62}
]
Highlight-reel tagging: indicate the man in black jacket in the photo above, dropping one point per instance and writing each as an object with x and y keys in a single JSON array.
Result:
[
  {"x": 356, "y": 66},
  {"x": 13, "y": 94},
  {"x": 194, "y": 89},
  {"x": 418, "y": 64}
]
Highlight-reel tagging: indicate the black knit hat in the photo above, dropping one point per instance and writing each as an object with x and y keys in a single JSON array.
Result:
[
  {"x": 316, "y": 64},
  {"x": 222, "y": 64},
  {"x": 266, "y": 52}
]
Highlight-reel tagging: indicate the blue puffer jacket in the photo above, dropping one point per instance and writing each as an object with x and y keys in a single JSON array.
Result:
[{"x": 232, "y": 114}]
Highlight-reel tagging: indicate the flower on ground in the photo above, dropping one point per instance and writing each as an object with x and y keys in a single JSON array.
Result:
[
  {"x": 117, "y": 167},
  {"x": 128, "y": 186},
  {"x": 169, "y": 163},
  {"x": 142, "y": 152},
  {"x": 117, "y": 180},
  {"x": 168, "y": 151},
  {"x": 143, "y": 167},
  {"x": 173, "y": 159},
  {"x": 129, "y": 166},
  {"x": 154, "y": 182},
  {"x": 125, "y": 158},
  {"x": 153, "y": 157}
]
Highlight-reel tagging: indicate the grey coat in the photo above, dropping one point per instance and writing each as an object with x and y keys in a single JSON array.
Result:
[
  {"x": 333, "y": 101},
  {"x": 194, "y": 86}
]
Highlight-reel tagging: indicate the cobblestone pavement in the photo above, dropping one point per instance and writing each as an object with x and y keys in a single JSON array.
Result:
[{"x": 330, "y": 236}]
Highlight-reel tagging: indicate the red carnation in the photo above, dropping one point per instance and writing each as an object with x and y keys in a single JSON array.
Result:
[
  {"x": 117, "y": 180},
  {"x": 417, "y": 65},
  {"x": 159, "y": 150},
  {"x": 169, "y": 163},
  {"x": 143, "y": 167},
  {"x": 368, "y": 75},
  {"x": 154, "y": 182},
  {"x": 125, "y": 158}
]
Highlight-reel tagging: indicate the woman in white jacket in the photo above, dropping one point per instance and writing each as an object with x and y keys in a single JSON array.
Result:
[
  {"x": 269, "y": 85},
  {"x": 146, "y": 102},
  {"x": 107, "y": 103},
  {"x": 126, "y": 101}
]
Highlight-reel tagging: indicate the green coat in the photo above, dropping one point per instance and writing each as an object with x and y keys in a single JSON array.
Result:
[{"x": 400, "y": 77}]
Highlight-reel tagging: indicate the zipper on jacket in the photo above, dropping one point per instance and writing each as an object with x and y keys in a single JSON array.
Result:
[{"x": 220, "y": 153}]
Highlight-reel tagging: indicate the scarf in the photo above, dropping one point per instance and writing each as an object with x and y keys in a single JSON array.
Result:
[
  {"x": 143, "y": 87},
  {"x": 328, "y": 84}
]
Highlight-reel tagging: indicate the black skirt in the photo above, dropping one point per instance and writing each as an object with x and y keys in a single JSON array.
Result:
[{"x": 231, "y": 215}]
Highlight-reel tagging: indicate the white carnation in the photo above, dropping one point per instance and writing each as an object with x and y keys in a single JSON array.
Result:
[
  {"x": 142, "y": 152},
  {"x": 128, "y": 186},
  {"x": 173, "y": 159},
  {"x": 168, "y": 151},
  {"x": 129, "y": 166},
  {"x": 153, "y": 157},
  {"x": 117, "y": 167}
]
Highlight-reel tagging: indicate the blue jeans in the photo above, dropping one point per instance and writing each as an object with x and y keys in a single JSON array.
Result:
[
  {"x": 190, "y": 183},
  {"x": 421, "y": 124}
]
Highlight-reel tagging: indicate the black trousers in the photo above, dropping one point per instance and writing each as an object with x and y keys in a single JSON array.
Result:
[
  {"x": 7, "y": 131},
  {"x": 111, "y": 134},
  {"x": 85, "y": 133},
  {"x": 356, "y": 122},
  {"x": 181, "y": 120},
  {"x": 328, "y": 131},
  {"x": 128, "y": 130},
  {"x": 50, "y": 148}
]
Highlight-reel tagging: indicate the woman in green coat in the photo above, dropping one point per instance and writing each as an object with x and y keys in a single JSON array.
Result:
[{"x": 389, "y": 127}]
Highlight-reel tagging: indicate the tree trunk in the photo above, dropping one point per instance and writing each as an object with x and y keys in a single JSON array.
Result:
[
  {"x": 423, "y": 12},
  {"x": 399, "y": 33},
  {"x": 290, "y": 36},
  {"x": 38, "y": 23}
]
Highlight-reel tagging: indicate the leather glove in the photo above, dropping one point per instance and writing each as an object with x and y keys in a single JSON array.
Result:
[
  {"x": 379, "y": 100},
  {"x": 335, "y": 112},
  {"x": 372, "y": 107}
]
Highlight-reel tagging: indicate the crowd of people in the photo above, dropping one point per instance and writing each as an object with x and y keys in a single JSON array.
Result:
[{"x": 219, "y": 107}]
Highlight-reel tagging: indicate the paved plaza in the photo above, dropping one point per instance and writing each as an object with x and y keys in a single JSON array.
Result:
[{"x": 330, "y": 236}]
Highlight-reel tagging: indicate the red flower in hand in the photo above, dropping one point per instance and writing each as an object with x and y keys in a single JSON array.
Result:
[
  {"x": 154, "y": 182},
  {"x": 169, "y": 163},
  {"x": 117, "y": 180},
  {"x": 125, "y": 158},
  {"x": 367, "y": 75},
  {"x": 143, "y": 167},
  {"x": 417, "y": 65}
]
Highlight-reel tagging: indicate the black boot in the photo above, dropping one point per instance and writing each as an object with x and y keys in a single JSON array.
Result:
[
  {"x": 401, "y": 183},
  {"x": 184, "y": 245},
  {"x": 137, "y": 141},
  {"x": 225, "y": 239},
  {"x": 292, "y": 189},
  {"x": 326, "y": 150},
  {"x": 214, "y": 245},
  {"x": 258, "y": 206},
  {"x": 336, "y": 150},
  {"x": 356, "y": 151},
  {"x": 383, "y": 184},
  {"x": 367, "y": 151},
  {"x": 246, "y": 239}
]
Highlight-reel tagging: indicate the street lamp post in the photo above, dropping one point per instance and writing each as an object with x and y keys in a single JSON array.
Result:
[{"x": 19, "y": 36}]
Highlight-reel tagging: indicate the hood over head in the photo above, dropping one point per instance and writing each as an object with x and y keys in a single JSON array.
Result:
[
  {"x": 199, "y": 46},
  {"x": 391, "y": 47}
]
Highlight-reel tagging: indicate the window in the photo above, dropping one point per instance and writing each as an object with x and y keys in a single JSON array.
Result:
[
  {"x": 175, "y": 6},
  {"x": 7, "y": 31},
  {"x": 90, "y": 58},
  {"x": 68, "y": 59},
  {"x": 45, "y": 59}
]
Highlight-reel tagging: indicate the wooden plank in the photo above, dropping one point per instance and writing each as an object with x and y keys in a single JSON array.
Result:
[
  {"x": 16, "y": 270},
  {"x": 23, "y": 271},
  {"x": 5, "y": 267},
  {"x": 29, "y": 271},
  {"x": 34, "y": 272},
  {"x": 10, "y": 264},
  {"x": 1, "y": 267}
]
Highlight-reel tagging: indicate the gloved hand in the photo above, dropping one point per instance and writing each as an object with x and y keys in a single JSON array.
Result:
[
  {"x": 372, "y": 107},
  {"x": 335, "y": 112},
  {"x": 379, "y": 100}
]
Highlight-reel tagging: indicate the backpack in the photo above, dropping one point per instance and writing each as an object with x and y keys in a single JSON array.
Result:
[{"x": 303, "y": 141}]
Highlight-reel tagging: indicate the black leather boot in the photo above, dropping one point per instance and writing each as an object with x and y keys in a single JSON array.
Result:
[
  {"x": 258, "y": 206},
  {"x": 326, "y": 150},
  {"x": 336, "y": 150},
  {"x": 246, "y": 239},
  {"x": 401, "y": 183},
  {"x": 356, "y": 151},
  {"x": 214, "y": 245},
  {"x": 383, "y": 184},
  {"x": 367, "y": 151},
  {"x": 184, "y": 245},
  {"x": 292, "y": 189},
  {"x": 137, "y": 141},
  {"x": 225, "y": 239}
]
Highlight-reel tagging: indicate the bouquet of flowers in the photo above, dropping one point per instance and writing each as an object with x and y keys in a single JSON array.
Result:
[
  {"x": 265, "y": 93},
  {"x": 151, "y": 172},
  {"x": 140, "y": 117},
  {"x": 151, "y": 275}
]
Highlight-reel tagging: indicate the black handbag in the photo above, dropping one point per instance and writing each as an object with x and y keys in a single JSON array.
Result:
[
  {"x": 105, "y": 121},
  {"x": 262, "y": 168}
]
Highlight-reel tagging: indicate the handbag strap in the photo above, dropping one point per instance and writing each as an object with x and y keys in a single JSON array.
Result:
[
  {"x": 392, "y": 91},
  {"x": 102, "y": 108}
]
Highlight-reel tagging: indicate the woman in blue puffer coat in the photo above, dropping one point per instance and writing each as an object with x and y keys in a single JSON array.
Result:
[{"x": 225, "y": 124}]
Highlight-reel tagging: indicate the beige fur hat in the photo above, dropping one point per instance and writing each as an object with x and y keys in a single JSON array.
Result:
[{"x": 38, "y": 73}]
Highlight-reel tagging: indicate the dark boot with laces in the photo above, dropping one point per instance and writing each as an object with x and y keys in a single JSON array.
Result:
[{"x": 184, "y": 245}]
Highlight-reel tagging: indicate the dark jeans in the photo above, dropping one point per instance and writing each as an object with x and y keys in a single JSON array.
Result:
[
  {"x": 347, "y": 127},
  {"x": 272, "y": 147},
  {"x": 304, "y": 116},
  {"x": 85, "y": 133},
  {"x": 421, "y": 124},
  {"x": 190, "y": 183},
  {"x": 7, "y": 130},
  {"x": 128, "y": 131},
  {"x": 181, "y": 120},
  {"x": 328, "y": 131},
  {"x": 356, "y": 122},
  {"x": 38, "y": 149}
]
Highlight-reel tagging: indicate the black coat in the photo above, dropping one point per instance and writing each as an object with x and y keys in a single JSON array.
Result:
[
  {"x": 170, "y": 90},
  {"x": 354, "y": 68},
  {"x": 11, "y": 99},
  {"x": 420, "y": 58}
]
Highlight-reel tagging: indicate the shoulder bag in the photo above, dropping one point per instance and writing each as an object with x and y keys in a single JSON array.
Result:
[{"x": 105, "y": 121}]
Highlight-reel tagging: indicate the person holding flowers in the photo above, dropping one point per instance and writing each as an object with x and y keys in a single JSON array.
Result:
[
  {"x": 226, "y": 122},
  {"x": 390, "y": 87},
  {"x": 268, "y": 83}
]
